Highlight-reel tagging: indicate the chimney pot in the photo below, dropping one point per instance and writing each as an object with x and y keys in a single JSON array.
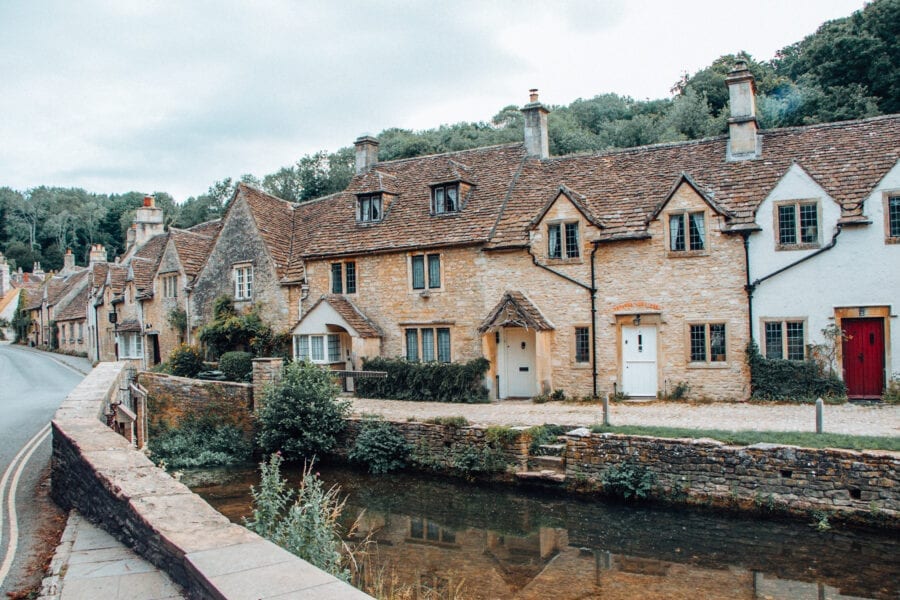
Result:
[
  {"x": 533, "y": 95},
  {"x": 148, "y": 201}
]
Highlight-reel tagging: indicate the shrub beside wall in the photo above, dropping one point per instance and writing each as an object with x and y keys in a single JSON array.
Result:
[
  {"x": 425, "y": 382},
  {"x": 776, "y": 379}
]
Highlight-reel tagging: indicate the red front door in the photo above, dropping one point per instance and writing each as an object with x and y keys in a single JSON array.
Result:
[{"x": 863, "y": 357}]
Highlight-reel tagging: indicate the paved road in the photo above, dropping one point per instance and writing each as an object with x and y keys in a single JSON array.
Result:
[{"x": 32, "y": 385}]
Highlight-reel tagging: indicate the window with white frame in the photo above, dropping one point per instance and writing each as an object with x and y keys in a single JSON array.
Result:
[
  {"x": 785, "y": 339},
  {"x": 243, "y": 282},
  {"x": 445, "y": 198},
  {"x": 892, "y": 216},
  {"x": 707, "y": 343},
  {"x": 368, "y": 208},
  {"x": 318, "y": 348},
  {"x": 582, "y": 345},
  {"x": 562, "y": 240},
  {"x": 131, "y": 345},
  {"x": 428, "y": 344},
  {"x": 425, "y": 271},
  {"x": 170, "y": 286},
  {"x": 687, "y": 232},
  {"x": 797, "y": 224},
  {"x": 343, "y": 277}
]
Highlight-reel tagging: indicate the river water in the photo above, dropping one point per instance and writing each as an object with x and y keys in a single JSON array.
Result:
[{"x": 438, "y": 538}]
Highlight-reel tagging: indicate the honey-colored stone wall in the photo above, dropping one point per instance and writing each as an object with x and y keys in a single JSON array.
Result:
[{"x": 156, "y": 310}]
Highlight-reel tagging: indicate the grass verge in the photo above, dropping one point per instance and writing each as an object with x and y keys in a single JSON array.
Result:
[{"x": 745, "y": 438}]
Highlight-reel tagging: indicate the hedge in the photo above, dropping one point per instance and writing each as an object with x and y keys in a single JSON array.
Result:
[
  {"x": 425, "y": 382},
  {"x": 778, "y": 379}
]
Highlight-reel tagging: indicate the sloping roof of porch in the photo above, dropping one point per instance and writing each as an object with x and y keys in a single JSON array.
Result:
[
  {"x": 346, "y": 310},
  {"x": 515, "y": 310}
]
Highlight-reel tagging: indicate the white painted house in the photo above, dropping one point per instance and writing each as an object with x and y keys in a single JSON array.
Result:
[{"x": 817, "y": 262}]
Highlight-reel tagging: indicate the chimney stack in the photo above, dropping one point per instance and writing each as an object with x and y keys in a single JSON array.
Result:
[
  {"x": 98, "y": 254},
  {"x": 537, "y": 142},
  {"x": 148, "y": 221},
  {"x": 4, "y": 276},
  {"x": 366, "y": 153},
  {"x": 743, "y": 141},
  {"x": 68, "y": 261}
]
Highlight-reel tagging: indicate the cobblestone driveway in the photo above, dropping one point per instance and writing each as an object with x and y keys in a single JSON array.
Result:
[{"x": 846, "y": 418}]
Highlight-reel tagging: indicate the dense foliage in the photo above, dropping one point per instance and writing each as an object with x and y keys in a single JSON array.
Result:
[
  {"x": 795, "y": 380},
  {"x": 380, "y": 447},
  {"x": 237, "y": 366},
  {"x": 185, "y": 361},
  {"x": 849, "y": 68},
  {"x": 461, "y": 458},
  {"x": 307, "y": 527},
  {"x": 231, "y": 331},
  {"x": 628, "y": 481},
  {"x": 200, "y": 441},
  {"x": 301, "y": 416},
  {"x": 431, "y": 381}
]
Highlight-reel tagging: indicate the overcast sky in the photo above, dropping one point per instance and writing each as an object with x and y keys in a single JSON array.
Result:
[{"x": 119, "y": 95}]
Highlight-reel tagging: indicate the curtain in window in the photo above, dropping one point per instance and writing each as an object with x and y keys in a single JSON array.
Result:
[
  {"x": 572, "y": 240},
  {"x": 317, "y": 348},
  {"x": 717, "y": 342},
  {"x": 438, "y": 200},
  {"x": 375, "y": 214},
  {"x": 334, "y": 347},
  {"x": 676, "y": 232},
  {"x": 809, "y": 228},
  {"x": 553, "y": 249},
  {"x": 427, "y": 344},
  {"x": 336, "y": 276},
  {"x": 418, "y": 272},
  {"x": 434, "y": 270},
  {"x": 302, "y": 347},
  {"x": 412, "y": 345},
  {"x": 451, "y": 199},
  {"x": 443, "y": 340},
  {"x": 698, "y": 231}
]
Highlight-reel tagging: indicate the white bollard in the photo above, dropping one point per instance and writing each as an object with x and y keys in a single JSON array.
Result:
[
  {"x": 606, "y": 410},
  {"x": 820, "y": 415}
]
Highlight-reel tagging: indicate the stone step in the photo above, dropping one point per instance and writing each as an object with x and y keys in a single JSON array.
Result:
[
  {"x": 551, "y": 463},
  {"x": 552, "y": 449},
  {"x": 545, "y": 475}
]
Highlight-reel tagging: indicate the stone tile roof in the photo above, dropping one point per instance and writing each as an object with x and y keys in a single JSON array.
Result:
[
  {"x": 516, "y": 310},
  {"x": 76, "y": 309},
  {"x": 118, "y": 274},
  {"x": 351, "y": 314},
  {"x": 129, "y": 325},
  {"x": 98, "y": 274},
  {"x": 623, "y": 188},
  {"x": 193, "y": 248},
  {"x": 275, "y": 220},
  {"x": 207, "y": 228},
  {"x": 34, "y": 297},
  {"x": 328, "y": 226},
  {"x": 144, "y": 269},
  {"x": 58, "y": 287}
]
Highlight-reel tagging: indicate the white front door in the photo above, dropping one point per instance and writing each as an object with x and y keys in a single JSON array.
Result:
[
  {"x": 639, "y": 360},
  {"x": 519, "y": 359}
]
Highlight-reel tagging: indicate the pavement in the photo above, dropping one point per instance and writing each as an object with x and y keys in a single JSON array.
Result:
[{"x": 90, "y": 564}]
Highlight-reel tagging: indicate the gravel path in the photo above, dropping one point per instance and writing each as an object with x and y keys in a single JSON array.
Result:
[{"x": 845, "y": 418}]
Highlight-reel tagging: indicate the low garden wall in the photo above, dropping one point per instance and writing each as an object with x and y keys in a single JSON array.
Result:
[
  {"x": 99, "y": 473},
  {"x": 172, "y": 398}
]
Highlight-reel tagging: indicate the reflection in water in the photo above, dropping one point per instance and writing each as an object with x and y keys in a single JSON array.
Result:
[{"x": 452, "y": 540}]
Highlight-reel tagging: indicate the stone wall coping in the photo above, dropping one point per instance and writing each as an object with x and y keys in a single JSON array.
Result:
[
  {"x": 194, "y": 381},
  {"x": 163, "y": 520}
]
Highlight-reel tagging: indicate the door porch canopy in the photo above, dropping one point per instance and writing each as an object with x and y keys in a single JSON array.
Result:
[{"x": 515, "y": 310}]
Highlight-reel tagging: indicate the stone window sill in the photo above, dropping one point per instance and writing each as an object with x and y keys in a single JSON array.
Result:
[
  {"x": 686, "y": 253},
  {"x": 789, "y": 247},
  {"x": 708, "y": 365}
]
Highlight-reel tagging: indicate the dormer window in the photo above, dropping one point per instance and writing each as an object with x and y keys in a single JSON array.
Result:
[
  {"x": 687, "y": 232},
  {"x": 797, "y": 225},
  {"x": 445, "y": 198},
  {"x": 562, "y": 240},
  {"x": 368, "y": 208}
]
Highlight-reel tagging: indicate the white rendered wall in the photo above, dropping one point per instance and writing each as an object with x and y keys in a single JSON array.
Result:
[{"x": 861, "y": 270}]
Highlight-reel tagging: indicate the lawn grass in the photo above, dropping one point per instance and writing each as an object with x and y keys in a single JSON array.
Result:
[{"x": 745, "y": 438}]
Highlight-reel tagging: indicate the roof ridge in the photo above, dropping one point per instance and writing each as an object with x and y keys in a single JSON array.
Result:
[{"x": 449, "y": 153}]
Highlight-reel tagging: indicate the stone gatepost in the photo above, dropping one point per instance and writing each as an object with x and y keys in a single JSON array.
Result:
[{"x": 266, "y": 371}]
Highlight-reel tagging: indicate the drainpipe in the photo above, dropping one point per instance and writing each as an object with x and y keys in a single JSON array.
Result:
[
  {"x": 748, "y": 287},
  {"x": 592, "y": 289},
  {"x": 96, "y": 333},
  {"x": 823, "y": 249}
]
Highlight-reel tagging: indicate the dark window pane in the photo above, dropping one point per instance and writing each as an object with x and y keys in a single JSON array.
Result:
[
  {"x": 451, "y": 204},
  {"x": 412, "y": 345},
  {"x": 676, "y": 233},
  {"x": 334, "y": 347},
  {"x": 697, "y": 231},
  {"x": 809, "y": 228},
  {"x": 773, "y": 340},
  {"x": 894, "y": 216},
  {"x": 434, "y": 270},
  {"x": 717, "y": 342},
  {"x": 438, "y": 199},
  {"x": 554, "y": 248},
  {"x": 336, "y": 286},
  {"x": 418, "y": 272},
  {"x": 443, "y": 340},
  {"x": 350, "y": 268},
  {"x": 572, "y": 250},
  {"x": 698, "y": 343},
  {"x": 582, "y": 345},
  {"x": 416, "y": 528},
  {"x": 787, "y": 225},
  {"x": 433, "y": 532},
  {"x": 364, "y": 208},
  {"x": 795, "y": 347}
]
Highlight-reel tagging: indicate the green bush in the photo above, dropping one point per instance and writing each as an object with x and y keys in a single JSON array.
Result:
[
  {"x": 777, "y": 379},
  {"x": 230, "y": 331},
  {"x": 456, "y": 421},
  {"x": 891, "y": 393},
  {"x": 237, "y": 366},
  {"x": 301, "y": 416},
  {"x": 431, "y": 381},
  {"x": 307, "y": 527},
  {"x": 380, "y": 447},
  {"x": 543, "y": 434},
  {"x": 628, "y": 480},
  {"x": 185, "y": 361},
  {"x": 200, "y": 442},
  {"x": 461, "y": 458}
]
